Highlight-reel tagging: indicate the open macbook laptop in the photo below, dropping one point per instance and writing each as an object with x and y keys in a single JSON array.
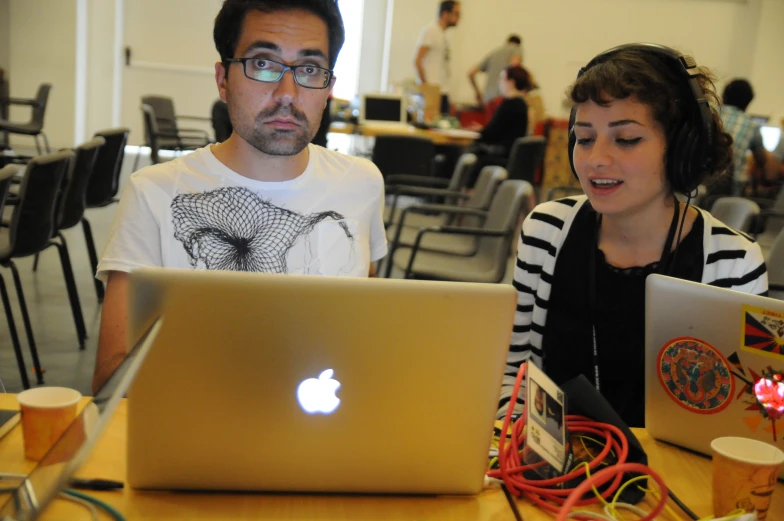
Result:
[
  {"x": 51, "y": 475},
  {"x": 706, "y": 349},
  {"x": 315, "y": 384}
]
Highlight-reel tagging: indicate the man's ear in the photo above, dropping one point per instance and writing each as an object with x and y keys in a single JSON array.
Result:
[{"x": 221, "y": 80}]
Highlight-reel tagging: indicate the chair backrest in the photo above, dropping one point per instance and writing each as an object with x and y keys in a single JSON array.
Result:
[
  {"x": 105, "y": 181},
  {"x": 7, "y": 174},
  {"x": 73, "y": 200},
  {"x": 39, "y": 110},
  {"x": 465, "y": 164},
  {"x": 775, "y": 260},
  {"x": 412, "y": 155},
  {"x": 33, "y": 221},
  {"x": 151, "y": 131},
  {"x": 165, "y": 116},
  {"x": 504, "y": 214},
  {"x": 484, "y": 191},
  {"x": 525, "y": 157},
  {"x": 221, "y": 122},
  {"x": 735, "y": 212}
]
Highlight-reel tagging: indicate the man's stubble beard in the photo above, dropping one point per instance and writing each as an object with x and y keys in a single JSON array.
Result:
[{"x": 277, "y": 142}]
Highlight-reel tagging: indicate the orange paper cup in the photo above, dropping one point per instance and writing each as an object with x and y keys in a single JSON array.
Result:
[
  {"x": 744, "y": 475},
  {"x": 46, "y": 413}
]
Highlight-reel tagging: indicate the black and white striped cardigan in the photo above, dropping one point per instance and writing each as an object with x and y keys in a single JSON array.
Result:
[{"x": 732, "y": 260}]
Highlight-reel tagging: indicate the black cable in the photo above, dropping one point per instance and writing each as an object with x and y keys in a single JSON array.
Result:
[{"x": 680, "y": 504}]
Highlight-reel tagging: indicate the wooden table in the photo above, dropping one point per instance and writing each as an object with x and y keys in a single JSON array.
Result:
[
  {"x": 439, "y": 138},
  {"x": 688, "y": 475},
  {"x": 108, "y": 461}
]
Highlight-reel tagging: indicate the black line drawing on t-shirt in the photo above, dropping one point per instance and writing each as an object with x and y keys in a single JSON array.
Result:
[{"x": 234, "y": 229}]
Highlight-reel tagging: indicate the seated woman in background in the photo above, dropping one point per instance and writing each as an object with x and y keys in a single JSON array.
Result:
[
  {"x": 642, "y": 129},
  {"x": 509, "y": 122}
]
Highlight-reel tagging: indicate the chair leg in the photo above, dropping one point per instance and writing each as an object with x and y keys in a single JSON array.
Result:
[
  {"x": 88, "y": 238},
  {"x": 136, "y": 160},
  {"x": 70, "y": 284},
  {"x": 35, "y": 262},
  {"x": 26, "y": 319},
  {"x": 37, "y": 144},
  {"x": 9, "y": 316},
  {"x": 46, "y": 142}
]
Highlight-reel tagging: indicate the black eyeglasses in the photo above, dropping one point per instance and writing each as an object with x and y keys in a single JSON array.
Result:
[{"x": 269, "y": 71}]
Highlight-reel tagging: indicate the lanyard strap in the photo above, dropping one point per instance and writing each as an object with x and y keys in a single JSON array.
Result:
[{"x": 661, "y": 268}]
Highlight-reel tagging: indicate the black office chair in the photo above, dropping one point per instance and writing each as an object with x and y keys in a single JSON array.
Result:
[
  {"x": 162, "y": 133},
  {"x": 411, "y": 155},
  {"x": 102, "y": 188},
  {"x": 525, "y": 157},
  {"x": 72, "y": 203},
  {"x": 34, "y": 127},
  {"x": 32, "y": 225},
  {"x": 6, "y": 175},
  {"x": 221, "y": 122}
]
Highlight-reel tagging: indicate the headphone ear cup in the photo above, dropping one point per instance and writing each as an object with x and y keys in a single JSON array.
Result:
[{"x": 572, "y": 140}]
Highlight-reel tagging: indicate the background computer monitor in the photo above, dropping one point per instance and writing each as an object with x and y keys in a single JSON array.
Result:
[
  {"x": 382, "y": 108},
  {"x": 770, "y": 137},
  {"x": 759, "y": 119}
]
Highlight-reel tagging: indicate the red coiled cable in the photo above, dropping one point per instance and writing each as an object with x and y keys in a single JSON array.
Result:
[{"x": 546, "y": 493}]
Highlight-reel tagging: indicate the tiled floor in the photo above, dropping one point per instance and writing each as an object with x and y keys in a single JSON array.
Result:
[{"x": 50, "y": 313}]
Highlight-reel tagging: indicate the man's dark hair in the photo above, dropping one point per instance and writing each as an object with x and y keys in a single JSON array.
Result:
[
  {"x": 228, "y": 23},
  {"x": 520, "y": 76},
  {"x": 447, "y": 6},
  {"x": 738, "y": 93},
  {"x": 514, "y": 39}
]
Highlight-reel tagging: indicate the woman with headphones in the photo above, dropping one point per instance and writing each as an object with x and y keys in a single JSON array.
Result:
[{"x": 644, "y": 127}]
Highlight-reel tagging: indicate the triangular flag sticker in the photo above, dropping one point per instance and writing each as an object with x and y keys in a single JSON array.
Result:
[{"x": 753, "y": 422}]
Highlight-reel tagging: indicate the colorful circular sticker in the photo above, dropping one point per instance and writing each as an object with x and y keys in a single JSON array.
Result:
[{"x": 695, "y": 375}]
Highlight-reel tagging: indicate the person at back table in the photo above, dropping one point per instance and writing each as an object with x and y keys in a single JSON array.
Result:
[
  {"x": 642, "y": 129},
  {"x": 432, "y": 53},
  {"x": 746, "y": 137},
  {"x": 496, "y": 61},
  {"x": 509, "y": 122},
  {"x": 264, "y": 200}
]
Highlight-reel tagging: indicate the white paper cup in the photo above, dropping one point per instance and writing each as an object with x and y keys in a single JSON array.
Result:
[
  {"x": 744, "y": 475},
  {"x": 46, "y": 413}
]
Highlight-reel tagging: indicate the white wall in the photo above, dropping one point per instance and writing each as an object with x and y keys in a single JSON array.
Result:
[
  {"x": 172, "y": 55},
  {"x": 372, "y": 58},
  {"x": 100, "y": 59},
  {"x": 561, "y": 35},
  {"x": 5, "y": 37},
  {"x": 43, "y": 33},
  {"x": 767, "y": 76}
]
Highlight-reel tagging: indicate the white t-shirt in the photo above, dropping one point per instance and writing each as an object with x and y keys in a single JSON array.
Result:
[
  {"x": 436, "y": 61},
  {"x": 195, "y": 212}
]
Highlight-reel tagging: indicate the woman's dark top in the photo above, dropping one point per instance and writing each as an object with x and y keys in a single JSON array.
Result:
[{"x": 620, "y": 315}]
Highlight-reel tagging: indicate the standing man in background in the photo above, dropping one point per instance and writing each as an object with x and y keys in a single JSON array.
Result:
[
  {"x": 509, "y": 54},
  {"x": 431, "y": 57}
]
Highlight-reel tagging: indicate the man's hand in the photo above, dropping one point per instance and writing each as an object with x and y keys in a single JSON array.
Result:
[{"x": 112, "y": 339}]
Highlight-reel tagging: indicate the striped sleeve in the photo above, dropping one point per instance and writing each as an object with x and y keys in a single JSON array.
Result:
[
  {"x": 537, "y": 248},
  {"x": 733, "y": 260}
]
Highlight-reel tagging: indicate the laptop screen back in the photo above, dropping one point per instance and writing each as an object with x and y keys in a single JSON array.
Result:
[{"x": 64, "y": 458}]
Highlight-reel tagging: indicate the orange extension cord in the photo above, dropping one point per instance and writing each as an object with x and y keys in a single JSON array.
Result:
[{"x": 546, "y": 493}]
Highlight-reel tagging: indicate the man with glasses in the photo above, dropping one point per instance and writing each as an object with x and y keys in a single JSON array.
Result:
[{"x": 264, "y": 200}]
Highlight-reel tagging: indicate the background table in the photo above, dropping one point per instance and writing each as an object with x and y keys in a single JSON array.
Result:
[{"x": 439, "y": 138}]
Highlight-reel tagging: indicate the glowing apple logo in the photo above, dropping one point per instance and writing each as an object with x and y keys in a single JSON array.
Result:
[{"x": 317, "y": 395}]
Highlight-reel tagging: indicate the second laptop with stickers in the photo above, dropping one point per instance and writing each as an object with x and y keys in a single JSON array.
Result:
[{"x": 714, "y": 364}]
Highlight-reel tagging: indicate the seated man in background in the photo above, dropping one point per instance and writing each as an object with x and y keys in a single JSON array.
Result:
[
  {"x": 509, "y": 122},
  {"x": 492, "y": 65},
  {"x": 746, "y": 136},
  {"x": 264, "y": 200}
]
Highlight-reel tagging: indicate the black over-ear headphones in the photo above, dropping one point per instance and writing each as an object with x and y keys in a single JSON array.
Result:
[{"x": 687, "y": 144}]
